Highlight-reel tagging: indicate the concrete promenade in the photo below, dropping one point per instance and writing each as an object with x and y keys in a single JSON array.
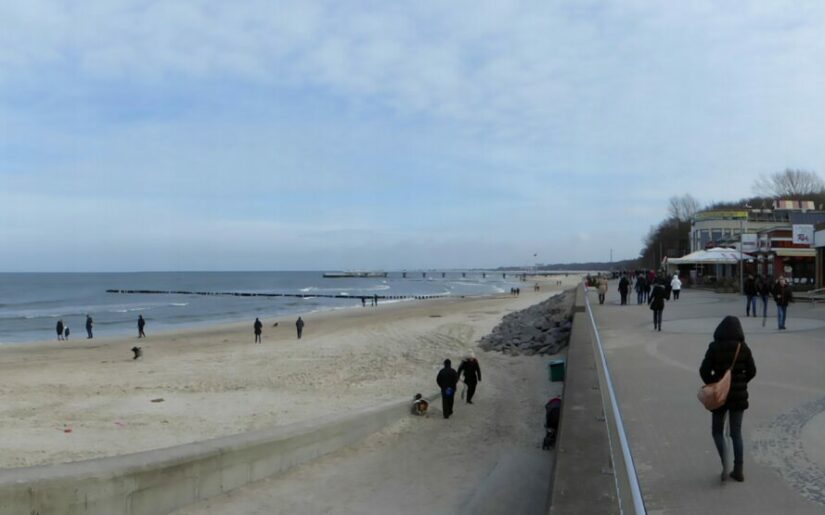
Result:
[{"x": 656, "y": 378}]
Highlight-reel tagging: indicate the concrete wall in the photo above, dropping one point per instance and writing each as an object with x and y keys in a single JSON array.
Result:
[
  {"x": 162, "y": 480},
  {"x": 582, "y": 479}
]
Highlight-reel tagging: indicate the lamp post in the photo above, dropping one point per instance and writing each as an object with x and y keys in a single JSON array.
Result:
[{"x": 741, "y": 263}]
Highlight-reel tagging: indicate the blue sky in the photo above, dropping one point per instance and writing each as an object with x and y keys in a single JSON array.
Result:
[{"x": 267, "y": 135}]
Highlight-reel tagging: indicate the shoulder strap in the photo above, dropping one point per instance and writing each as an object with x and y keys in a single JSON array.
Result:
[{"x": 738, "y": 346}]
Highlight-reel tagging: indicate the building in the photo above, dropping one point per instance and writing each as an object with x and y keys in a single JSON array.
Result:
[{"x": 780, "y": 239}]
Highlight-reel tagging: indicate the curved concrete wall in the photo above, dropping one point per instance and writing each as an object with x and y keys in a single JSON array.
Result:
[{"x": 162, "y": 480}]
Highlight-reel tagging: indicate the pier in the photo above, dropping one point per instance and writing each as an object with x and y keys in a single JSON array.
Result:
[{"x": 262, "y": 294}]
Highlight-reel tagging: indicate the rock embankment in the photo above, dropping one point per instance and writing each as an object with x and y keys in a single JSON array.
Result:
[{"x": 540, "y": 329}]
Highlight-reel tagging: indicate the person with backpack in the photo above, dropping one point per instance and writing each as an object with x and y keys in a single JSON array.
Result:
[{"x": 728, "y": 350}]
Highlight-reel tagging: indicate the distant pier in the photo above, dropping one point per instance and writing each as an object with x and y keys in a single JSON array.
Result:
[{"x": 259, "y": 294}]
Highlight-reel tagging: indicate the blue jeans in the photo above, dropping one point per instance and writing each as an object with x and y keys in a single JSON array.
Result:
[
  {"x": 781, "y": 315},
  {"x": 750, "y": 302},
  {"x": 718, "y": 428},
  {"x": 764, "y": 305}
]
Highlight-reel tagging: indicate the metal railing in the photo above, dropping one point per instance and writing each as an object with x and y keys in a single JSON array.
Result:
[{"x": 624, "y": 471}]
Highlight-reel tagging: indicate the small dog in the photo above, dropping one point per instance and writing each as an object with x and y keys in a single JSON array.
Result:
[
  {"x": 549, "y": 440},
  {"x": 275, "y": 324},
  {"x": 419, "y": 405},
  {"x": 138, "y": 352}
]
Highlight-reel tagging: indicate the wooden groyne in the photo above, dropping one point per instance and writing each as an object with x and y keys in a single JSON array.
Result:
[{"x": 259, "y": 294}]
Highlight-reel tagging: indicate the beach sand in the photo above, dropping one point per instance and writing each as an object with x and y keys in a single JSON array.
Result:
[{"x": 66, "y": 401}]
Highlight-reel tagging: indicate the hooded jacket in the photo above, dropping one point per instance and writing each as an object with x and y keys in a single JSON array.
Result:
[{"x": 719, "y": 357}]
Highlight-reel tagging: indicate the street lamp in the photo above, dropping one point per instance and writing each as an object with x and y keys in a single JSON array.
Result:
[{"x": 742, "y": 244}]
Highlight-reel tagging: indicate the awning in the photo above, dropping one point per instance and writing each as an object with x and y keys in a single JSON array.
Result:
[
  {"x": 717, "y": 256},
  {"x": 791, "y": 252}
]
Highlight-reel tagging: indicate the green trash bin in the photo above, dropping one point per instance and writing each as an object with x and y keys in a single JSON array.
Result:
[{"x": 556, "y": 370}]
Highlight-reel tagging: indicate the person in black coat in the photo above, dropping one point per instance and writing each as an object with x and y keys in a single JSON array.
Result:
[
  {"x": 749, "y": 288},
  {"x": 447, "y": 380},
  {"x": 657, "y": 303},
  {"x": 299, "y": 327},
  {"x": 624, "y": 286},
  {"x": 258, "y": 326},
  {"x": 141, "y": 325},
  {"x": 59, "y": 329},
  {"x": 718, "y": 359},
  {"x": 472, "y": 375}
]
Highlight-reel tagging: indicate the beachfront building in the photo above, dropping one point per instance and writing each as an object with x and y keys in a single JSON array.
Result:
[{"x": 780, "y": 239}]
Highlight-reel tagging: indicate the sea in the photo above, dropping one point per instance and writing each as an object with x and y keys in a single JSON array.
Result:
[{"x": 32, "y": 303}]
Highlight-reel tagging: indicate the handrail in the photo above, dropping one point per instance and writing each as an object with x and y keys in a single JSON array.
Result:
[{"x": 624, "y": 471}]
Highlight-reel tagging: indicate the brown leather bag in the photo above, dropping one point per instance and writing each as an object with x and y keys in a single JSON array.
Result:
[{"x": 714, "y": 395}]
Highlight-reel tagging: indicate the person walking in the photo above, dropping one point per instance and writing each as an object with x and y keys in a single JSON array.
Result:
[
  {"x": 749, "y": 288},
  {"x": 640, "y": 288},
  {"x": 729, "y": 350},
  {"x": 66, "y": 331},
  {"x": 624, "y": 286},
  {"x": 89, "y": 324},
  {"x": 299, "y": 326},
  {"x": 141, "y": 325},
  {"x": 59, "y": 330},
  {"x": 783, "y": 296},
  {"x": 602, "y": 289},
  {"x": 676, "y": 286},
  {"x": 258, "y": 329},
  {"x": 763, "y": 288},
  {"x": 657, "y": 303},
  {"x": 447, "y": 379},
  {"x": 472, "y": 375}
]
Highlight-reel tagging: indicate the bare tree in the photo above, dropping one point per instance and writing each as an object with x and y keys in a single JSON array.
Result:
[
  {"x": 683, "y": 208},
  {"x": 790, "y": 184}
]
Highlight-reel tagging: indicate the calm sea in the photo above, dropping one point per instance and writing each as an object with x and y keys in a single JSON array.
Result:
[{"x": 32, "y": 303}]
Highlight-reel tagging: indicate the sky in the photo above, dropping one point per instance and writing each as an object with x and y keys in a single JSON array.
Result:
[{"x": 305, "y": 135}]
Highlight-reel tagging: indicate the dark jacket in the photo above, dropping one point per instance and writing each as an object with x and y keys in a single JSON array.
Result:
[
  {"x": 657, "y": 297},
  {"x": 719, "y": 357},
  {"x": 258, "y": 326},
  {"x": 471, "y": 369},
  {"x": 763, "y": 287},
  {"x": 783, "y": 295},
  {"x": 447, "y": 378},
  {"x": 624, "y": 285},
  {"x": 750, "y": 287}
]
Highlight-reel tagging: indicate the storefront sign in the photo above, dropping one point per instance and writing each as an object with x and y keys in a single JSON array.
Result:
[
  {"x": 748, "y": 242},
  {"x": 803, "y": 234}
]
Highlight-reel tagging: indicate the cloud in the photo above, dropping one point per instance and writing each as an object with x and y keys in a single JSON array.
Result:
[{"x": 477, "y": 120}]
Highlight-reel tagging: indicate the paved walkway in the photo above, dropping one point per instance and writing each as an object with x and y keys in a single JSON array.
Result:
[{"x": 656, "y": 378}]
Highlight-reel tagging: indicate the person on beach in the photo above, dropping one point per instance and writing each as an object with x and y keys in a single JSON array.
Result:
[
  {"x": 375, "y": 299},
  {"x": 472, "y": 375},
  {"x": 657, "y": 303},
  {"x": 749, "y": 288},
  {"x": 763, "y": 288},
  {"x": 66, "y": 331},
  {"x": 602, "y": 289},
  {"x": 363, "y": 302},
  {"x": 728, "y": 340},
  {"x": 141, "y": 325},
  {"x": 299, "y": 326},
  {"x": 258, "y": 329},
  {"x": 447, "y": 379},
  {"x": 89, "y": 324},
  {"x": 624, "y": 286},
  {"x": 783, "y": 296},
  {"x": 676, "y": 286},
  {"x": 59, "y": 330}
]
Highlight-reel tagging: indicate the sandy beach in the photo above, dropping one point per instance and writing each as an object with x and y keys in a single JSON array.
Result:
[{"x": 66, "y": 401}]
